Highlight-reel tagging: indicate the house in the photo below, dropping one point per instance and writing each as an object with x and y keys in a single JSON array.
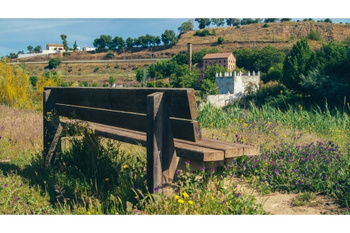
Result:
[
  {"x": 226, "y": 60},
  {"x": 54, "y": 47}
]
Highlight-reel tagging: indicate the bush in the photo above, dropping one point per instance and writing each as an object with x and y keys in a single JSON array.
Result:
[
  {"x": 221, "y": 40},
  {"x": 54, "y": 63},
  {"x": 110, "y": 54},
  {"x": 96, "y": 69},
  {"x": 33, "y": 80},
  {"x": 314, "y": 35},
  {"x": 266, "y": 25},
  {"x": 203, "y": 33},
  {"x": 112, "y": 80}
]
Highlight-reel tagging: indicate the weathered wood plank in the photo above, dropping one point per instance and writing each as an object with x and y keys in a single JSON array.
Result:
[
  {"x": 50, "y": 127},
  {"x": 183, "y": 150},
  {"x": 181, "y": 128},
  {"x": 181, "y": 101},
  {"x": 155, "y": 139}
]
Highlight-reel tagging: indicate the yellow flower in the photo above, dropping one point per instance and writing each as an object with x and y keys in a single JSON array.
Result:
[
  {"x": 185, "y": 194},
  {"x": 190, "y": 202},
  {"x": 212, "y": 198},
  {"x": 88, "y": 213},
  {"x": 177, "y": 197},
  {"x": 107, "y": 179},
  {"x": 125, "y": 166},
  {"x": 180, "y": 201}
]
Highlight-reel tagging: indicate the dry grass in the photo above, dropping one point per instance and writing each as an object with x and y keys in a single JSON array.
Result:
[{"x": 23, "y": 128}]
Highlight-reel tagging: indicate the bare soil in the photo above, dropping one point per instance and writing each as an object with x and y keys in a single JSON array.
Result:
[{"x": 283, "y": 203}]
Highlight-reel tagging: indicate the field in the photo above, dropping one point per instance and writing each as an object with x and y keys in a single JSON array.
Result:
[{"x": 305, "y": 157}]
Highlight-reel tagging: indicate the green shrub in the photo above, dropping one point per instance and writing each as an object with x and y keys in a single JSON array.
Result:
[
  {"x": 314, "y": 35},
  {"x": 221, "y": 40}
]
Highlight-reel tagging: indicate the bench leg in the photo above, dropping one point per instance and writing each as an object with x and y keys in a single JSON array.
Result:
[
  {"x": 52, "y": 128},
  {"x": 161, "y": 155}
]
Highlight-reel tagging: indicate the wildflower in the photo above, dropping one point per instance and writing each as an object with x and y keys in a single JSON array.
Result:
[
  {"x": 180, "y": 201},
  {"x": 125, "y": 166},
  {"x": 223, "y": 202},
  {"x": 190, "y": 202},
  {"x": 212, "y": 198},
  {"x": 185, "y": 194},
  {"x": 177, "y": 190},
  {"x": 88, "y": 212},
  {"x": 107, "y": 179},
  {"x": 177, "y": 197},
  {"x": 239, "y": 194},
  {"x": 178, "y": 172},
  {"x": 155, "y": 189},
  {"x": 188, "y": 162},
  {"x": 5, "y": 185},
  {"x": 203, "y": 168}
]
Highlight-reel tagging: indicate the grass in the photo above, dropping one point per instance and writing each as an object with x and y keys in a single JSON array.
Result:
[{"x": 93, "y": 175}]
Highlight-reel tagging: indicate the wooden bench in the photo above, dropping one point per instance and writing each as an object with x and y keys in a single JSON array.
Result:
[{"x": 161, "y": 119}]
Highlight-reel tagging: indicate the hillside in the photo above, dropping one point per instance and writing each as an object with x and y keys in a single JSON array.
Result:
[{"x": 279, "y": 35}]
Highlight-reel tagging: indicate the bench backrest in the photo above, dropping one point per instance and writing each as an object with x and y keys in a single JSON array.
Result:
[{"x": 125, "y": 107}]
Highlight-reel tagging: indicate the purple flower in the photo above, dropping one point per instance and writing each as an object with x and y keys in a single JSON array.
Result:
[
  {"x": 178, "y": 172},
  {"x": 239, "y": 194},
  {"x": 156, "y": 189},
  {"x": 223, "y": 202},
  {"x": 177, "y": 190},
  {"x": 5, "y": 185},
  {"x": 188, "y": 161},
  {"x": 203, "y": 168}
]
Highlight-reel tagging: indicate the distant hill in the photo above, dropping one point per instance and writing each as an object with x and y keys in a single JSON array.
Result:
[{"x": 279, "y": 35}]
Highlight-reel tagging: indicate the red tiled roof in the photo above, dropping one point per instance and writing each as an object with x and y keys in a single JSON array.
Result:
[
  {"x": 217, "y": 55},
  {"x": 55, "y": 45}
]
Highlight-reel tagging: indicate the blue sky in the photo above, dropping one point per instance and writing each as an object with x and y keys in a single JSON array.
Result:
[
  {"x": 17, "y": 34},
  {"x": 36, "y": 23}
]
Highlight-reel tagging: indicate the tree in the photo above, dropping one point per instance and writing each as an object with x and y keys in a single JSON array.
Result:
[
  {"x": 64, "y": 41},
  {"x": 232, "y": 22},
  {"x": 118, "y": 42},
  {"x": 75, "y": 46},
  {"x": 270, "y": 20},
  {"x": 169, "y": 37},
  {"x": 285, "y": 19},
  {"x": 333, "y": 59},
  {"x": 203, "y": 22},
  {"x": 186, "y": 26},
  {"x": 184, "y": 77},
  {"x": 218, "y": 22},
  {"x": 208, "y": 87},
  {"x": 103, "y": 42},
  {"x": 30, "y": 48},
  {"x": 328, "y": 20},
  {"x": 129, "y": 43},
  {"x": 299, "y": 61},
  {"x": 37, "y": 49},
  {"x": 247, "y": 21}
]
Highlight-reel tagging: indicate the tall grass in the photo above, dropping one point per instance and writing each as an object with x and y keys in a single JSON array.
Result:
[{"x": 333, "y": 126}]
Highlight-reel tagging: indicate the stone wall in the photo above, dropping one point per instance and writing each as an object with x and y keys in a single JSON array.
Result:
[{"x": 233, "y": 86}]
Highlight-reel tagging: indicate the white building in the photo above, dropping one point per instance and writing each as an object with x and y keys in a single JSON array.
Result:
[{"x": 233, "y": 86}]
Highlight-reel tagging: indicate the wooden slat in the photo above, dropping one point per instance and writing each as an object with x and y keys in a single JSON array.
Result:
[
  {"x": 181, "y": 101},
  {"x": 247, "y": 149},
  {"x": 139, "y": 138},
  {"x": 181, "y": 128}
]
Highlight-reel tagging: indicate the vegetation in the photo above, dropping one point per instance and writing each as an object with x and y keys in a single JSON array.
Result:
[{"x": 299, "y": 117}]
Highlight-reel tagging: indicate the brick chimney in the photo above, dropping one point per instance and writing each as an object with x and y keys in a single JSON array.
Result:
[{"x": 189, "y": 55}]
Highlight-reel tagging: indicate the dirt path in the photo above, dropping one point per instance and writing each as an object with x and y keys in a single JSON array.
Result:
[{"x": 282, "y": 203}]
